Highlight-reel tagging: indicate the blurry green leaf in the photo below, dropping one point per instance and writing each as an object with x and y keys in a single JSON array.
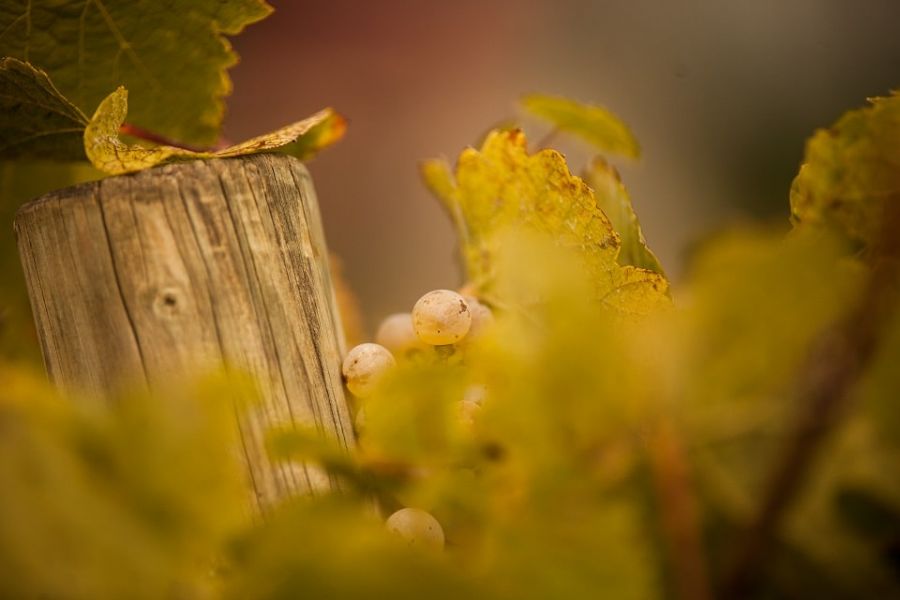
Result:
[
  {"x": 174, "y": 59},
  {"x": 411, "y": 418},
  {"x": 755, "y": 304},
  {"x": 133, "y": 501},
  {"x": 109, "y": 153},
  {"x": 851, "y": 172},
  {"x": 329, "y": 548},
  {"x": 593, "y": 123},
  {"x": 613, "y": 200},
  {"x": 502, "y": 187},
  {"x": 36, "y": 121},
  {"x": 878, "y": 389},
  {"x": 856, "y": 458},
  {"x": 868, "y": 514},
  {"x": 313, "y": 447}
]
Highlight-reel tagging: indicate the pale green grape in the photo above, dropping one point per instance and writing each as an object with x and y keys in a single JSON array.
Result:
[
  {"x": 417, "y": 527},
  {"x": 364, "y": 367},
  {"x": 441, "y": 317},
  {"x": 397, "y": 334},
  {"x": 482, "y": 318},
  {"x": 475, "y": 393},
  {"x": 468, "y": 412}
]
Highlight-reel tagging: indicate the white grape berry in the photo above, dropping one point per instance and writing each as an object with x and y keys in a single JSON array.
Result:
[
  {"x": 482, "y": 318},
  {"x": 441, "y": 317},
  {"x": 468, "y": 412},
  {"x": 364, "y": 366},
  {"x": 475, "y": 393},
  {"x": 397, "y": 334},
  {"x": 417, "y": 528}
]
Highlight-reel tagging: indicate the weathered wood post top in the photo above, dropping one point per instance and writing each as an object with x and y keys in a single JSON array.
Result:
[{"x": 188, "y": 267}]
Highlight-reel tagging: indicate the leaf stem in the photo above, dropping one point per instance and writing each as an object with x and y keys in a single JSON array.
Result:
[
  {"x": 147, "y": 135},
  {"x": 679, "y": 512}
]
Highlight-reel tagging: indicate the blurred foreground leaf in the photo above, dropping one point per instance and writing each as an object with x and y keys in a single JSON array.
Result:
[
  {"x": 132, "y": 501},
  {"x": 329, "y": 548}
]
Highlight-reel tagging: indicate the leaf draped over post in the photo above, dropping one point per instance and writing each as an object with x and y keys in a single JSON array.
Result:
[
  {"x": 109, "y": 153},
  {"x": 850, "y": 171},
  {"x": 172, "y": 57},
  {"x": 502, "y": 186},
  {"x": 594, "y": 124},
  {"x": 36, "y": 121}
]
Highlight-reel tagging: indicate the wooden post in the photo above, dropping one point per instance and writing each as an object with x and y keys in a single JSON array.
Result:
[{"x": 185, "y": 268}]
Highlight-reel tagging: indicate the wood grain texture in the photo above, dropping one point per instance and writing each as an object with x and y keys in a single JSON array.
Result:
[{"x": 185, "y": 268}]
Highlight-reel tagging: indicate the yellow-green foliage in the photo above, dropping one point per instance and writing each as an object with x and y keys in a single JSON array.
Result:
[
  {"x": 614, "y": 201},
  {"x": 594, "y": 124},
  {"x": 130, "y": 501},
  {"x": 852, "y": 173},
  {"x": 502, "y": 186},
  {"x": 621, "y": 450}
]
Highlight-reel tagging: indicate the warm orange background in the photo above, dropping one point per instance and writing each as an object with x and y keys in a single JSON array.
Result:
[{"x": 720, "y": 94}]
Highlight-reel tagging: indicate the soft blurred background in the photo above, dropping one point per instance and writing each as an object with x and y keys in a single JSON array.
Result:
[{"x": 721, "y": 95}]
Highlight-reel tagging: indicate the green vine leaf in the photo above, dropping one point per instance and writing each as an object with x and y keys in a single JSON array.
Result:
[
  {"x": 850, "y": 172},
  {"x": 595, "y": 124},
  {"x": 614, "y": 201},
  {"x": 36, "y": 121},
  {"x": 168, "y": 56},
  {"x": 109, "y": 153},
  {"x": 502, "y": 187}
]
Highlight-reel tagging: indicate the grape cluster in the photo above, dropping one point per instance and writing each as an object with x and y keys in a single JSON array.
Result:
[{"x": 440, "y": 322}]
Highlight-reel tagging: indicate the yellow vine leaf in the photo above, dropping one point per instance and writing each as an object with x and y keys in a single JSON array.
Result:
[
  {"x": 850, "y": 172},
  {"x": 109, "y": 153},
  {"x": 502, "y": 187},
  {"x": 592, "y": 123},
  {"x": 614, "y": 201}
]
